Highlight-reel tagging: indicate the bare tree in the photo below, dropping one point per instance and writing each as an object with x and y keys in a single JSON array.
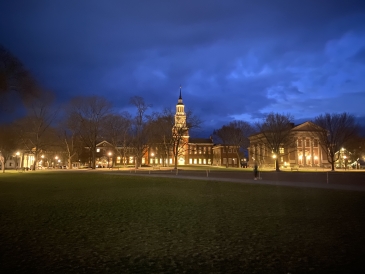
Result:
[
  {"x": 180, "y": 139},
  {"x": 35, "y": 129},
  {"x": 70, "y": 140},
  {"x": 15, "y": 81},
  {"x": 275, "y": 132},
  {"x": 234, "y": 134},
  {"x": 117, "y": 129},
  {"x": 139, "y": 129},
  {"x": 171, "y": 136},
  {"x": 8, "y": 144},
  {"x": 333, "y": 131},
  {"x": 160, "y": 131},
  {"x": 224, "y": 136},
  {"x": 357, "y": 148},
  {"x": 89, "y": 115}
]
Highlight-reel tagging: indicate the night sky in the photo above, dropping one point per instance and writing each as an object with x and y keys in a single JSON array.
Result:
[{"x": 234, "y": 59}]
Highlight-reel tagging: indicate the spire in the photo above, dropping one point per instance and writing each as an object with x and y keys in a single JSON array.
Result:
[{"x": 180, "y": 101}]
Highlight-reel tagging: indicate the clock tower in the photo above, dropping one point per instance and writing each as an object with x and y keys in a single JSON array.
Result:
[{"x": 180, "y": 118}]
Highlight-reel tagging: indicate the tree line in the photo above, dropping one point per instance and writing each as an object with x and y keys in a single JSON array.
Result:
[{"x": 86, "y": 120}]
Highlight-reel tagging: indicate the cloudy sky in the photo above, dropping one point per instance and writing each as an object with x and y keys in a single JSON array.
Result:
[{"x": 234, "y": 59}]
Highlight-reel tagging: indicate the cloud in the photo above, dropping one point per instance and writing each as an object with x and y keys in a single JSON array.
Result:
[{"x": 235, "y": 60}]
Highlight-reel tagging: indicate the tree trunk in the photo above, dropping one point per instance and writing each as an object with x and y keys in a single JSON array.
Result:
[
  {"x": 93, "y": 160},
  {"x": 277, "y": 167},
  {"x": 175, "y": 161}
]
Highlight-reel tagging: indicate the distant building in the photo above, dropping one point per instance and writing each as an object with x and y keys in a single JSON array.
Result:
[
  {"x": 225, "y": 156},
  {"x": 192, "y": 151},
  {"x": 306, "y": 150}
]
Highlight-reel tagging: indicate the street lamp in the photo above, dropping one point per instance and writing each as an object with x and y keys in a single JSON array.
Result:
[
  {"x": 274, "y": 156},
  {"x": 56, "y": 158}
]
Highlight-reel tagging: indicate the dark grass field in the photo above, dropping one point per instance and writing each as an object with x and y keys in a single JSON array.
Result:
[{"x": 88, "y": 222}]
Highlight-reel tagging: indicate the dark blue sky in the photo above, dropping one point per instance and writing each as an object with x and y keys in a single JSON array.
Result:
[{"x": 234, "y": 59}]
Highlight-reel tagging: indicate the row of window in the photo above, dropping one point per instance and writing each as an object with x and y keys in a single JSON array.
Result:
[
  {"x": 230, "y": 150},
  {"x": 200, "y": 150},
  {"x": 230, "y": 161},
  {"x": 106, "y": 150},
  {"x": 200, "y": 161},
  {"x": 307, "y": 143}
]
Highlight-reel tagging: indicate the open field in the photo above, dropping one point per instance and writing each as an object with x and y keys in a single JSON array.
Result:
[{"x": 92, "y": 222}]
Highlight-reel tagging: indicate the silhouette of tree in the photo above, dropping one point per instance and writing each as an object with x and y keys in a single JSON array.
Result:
[
  {"x": 234, "y": 134},
  {"x": 333, "y": 131},
  {"x": 139, "y": 129},
  {"x": 88, "y": 115},
  {"x": 15, "y": 82},
  {"x": 117, "y": 129},
  {"x": 8, "y": 144},
  {"x": 35, "y": 129},
  {"x": 275, "y": 132}
]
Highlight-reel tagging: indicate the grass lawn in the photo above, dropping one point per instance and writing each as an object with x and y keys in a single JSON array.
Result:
[{"x": 89, "y": 222}]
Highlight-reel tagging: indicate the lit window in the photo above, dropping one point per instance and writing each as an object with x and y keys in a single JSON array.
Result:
[
  {"x": 307, "y": 142},
  {"x": 315, "y": 143},
  {"x": 281, "y": 150},
  {"x": 98, "y": 150}
]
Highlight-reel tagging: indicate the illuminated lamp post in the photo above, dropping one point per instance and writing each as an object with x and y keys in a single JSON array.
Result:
[
  {"x": 56, "y": 158},
  {"x": 274, "y": 157}
]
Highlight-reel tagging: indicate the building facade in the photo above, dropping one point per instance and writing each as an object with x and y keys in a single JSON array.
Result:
[
  {"x": 305, "y": 151},
  {"x": 225, "y": 155}
]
